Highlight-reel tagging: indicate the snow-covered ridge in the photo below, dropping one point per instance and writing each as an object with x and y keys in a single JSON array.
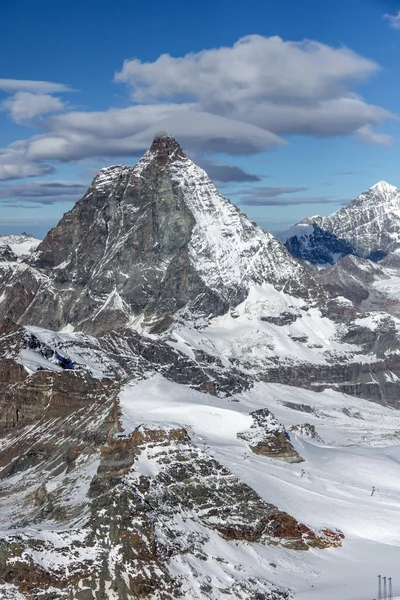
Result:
[
  {"x": 333, "y": 486},
  {"x": 226, "y": 248},
  {"x": 21, "y": 245},
  {"x": 370, "y": 223}
]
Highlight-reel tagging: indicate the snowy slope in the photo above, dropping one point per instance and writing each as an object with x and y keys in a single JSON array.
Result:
[
  {"x": 226, "y": 249},
  {"x": 269, "y": 328},
  {"x": 21, "y": 245},
  {"x": 332, "y": 488}
]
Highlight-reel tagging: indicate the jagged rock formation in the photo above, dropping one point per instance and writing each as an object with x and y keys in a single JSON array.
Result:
[
  {"x": 269, "y": 438},
  {"x": 148, "y": 241},
  {"x": 370, "y": 224},
  {"x": 306, "y": 430}
]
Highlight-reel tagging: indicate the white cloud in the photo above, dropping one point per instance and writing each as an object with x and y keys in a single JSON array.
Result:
[
  {"x": 234, "y": 100},
  {"x": 25, "y": 105},
  {"x": 394, "y": 20},
  {"x": 36, "y": 87},
  {"x": 366, "y": 135},
  {"x": 283, "y": 87},
  {"x": 256, "y": 68}
]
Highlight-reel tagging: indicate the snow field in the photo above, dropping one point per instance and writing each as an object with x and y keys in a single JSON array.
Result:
[{"x": 332, "y": 488}]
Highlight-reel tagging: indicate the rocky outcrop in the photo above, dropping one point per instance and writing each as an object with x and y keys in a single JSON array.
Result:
[
  {"x": 268, "y": 437},
  {"x": 306, "y": 430}
]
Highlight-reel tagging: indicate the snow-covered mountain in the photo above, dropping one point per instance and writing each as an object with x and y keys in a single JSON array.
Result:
[
  {"x": 150, "y": 240},
  {"x": 21, "y": 245},
  {"x": 369, "y": 227},
  {"x": 185, "y": 410}
]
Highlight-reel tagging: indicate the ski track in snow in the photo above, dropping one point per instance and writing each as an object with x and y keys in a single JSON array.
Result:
[{"x": 361, "y": 450}]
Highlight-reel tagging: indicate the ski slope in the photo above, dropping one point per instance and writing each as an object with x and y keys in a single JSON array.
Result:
[{"x": 332, "y": 488}]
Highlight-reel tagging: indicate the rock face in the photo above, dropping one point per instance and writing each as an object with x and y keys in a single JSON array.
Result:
[
  {"x": 306, "y": 430},
  {"x": 351, "y": 277},
  {"x": 370, "y": 224},
  {"x": 148, "y": 241},
  {"x": 269, "y": 438}
]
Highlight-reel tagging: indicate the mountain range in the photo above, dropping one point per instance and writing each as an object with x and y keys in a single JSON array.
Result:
[{"x": 190, "y": 408}]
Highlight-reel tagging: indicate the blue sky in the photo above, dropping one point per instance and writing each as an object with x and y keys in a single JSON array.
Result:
[{"x": 291, "y": 106}]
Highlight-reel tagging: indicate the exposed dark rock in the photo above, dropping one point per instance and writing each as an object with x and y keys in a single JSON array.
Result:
[
  {"x": 306, "y": 430},
  {"x": 268, "y": 437}
]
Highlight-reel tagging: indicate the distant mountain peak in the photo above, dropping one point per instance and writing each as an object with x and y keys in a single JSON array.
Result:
[
  {"x": 384, "y": 186},
  {"x": 369, "y": 225}
]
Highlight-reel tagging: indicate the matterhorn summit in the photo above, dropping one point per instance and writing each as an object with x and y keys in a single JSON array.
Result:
[{"x": 148, "y": 241}]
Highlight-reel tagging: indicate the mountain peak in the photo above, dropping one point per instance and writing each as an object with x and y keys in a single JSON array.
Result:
[
  {"x": 384, "y": 186},
  {"x": 166, "y": 147},
  {"x": 370, "y": 224}
]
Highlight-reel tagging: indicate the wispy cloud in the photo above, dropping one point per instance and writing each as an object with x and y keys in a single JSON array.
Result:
[
  {"x": 347, "y": 173},
  {"x": 277, "y": 196},
  {"x": 366, "y": 135},
  {"x": 394, "y": 20},
  {"x": 42, "y": 192},
  {"x": 226, "y": 173},
  {"x": 35, "y": 87}
]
